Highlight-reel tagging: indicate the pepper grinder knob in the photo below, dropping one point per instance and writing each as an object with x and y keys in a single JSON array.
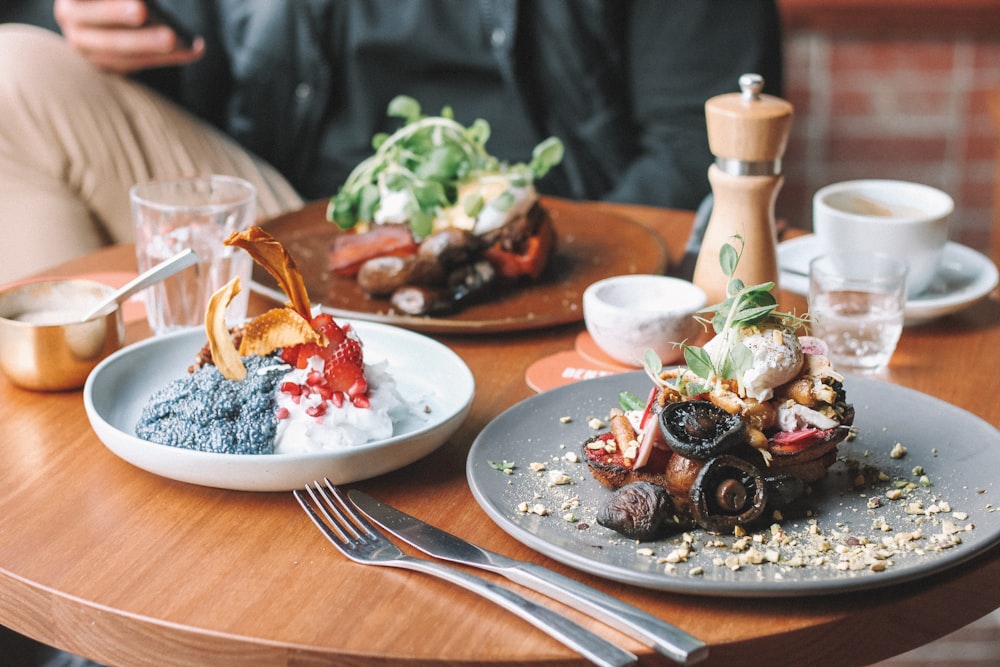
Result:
[
  {"x": 747, "y": 133},
  {"x": 751, "y": 86}
]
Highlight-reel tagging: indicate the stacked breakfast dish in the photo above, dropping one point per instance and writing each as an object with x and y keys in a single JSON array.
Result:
[
  {"x": 285, "y": 382},
  {"x": 753, "y": 420},
  {"x": 432, "y": 220}
]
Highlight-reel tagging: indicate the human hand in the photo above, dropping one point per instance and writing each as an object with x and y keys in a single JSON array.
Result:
[{"x": 115, "y": 35}]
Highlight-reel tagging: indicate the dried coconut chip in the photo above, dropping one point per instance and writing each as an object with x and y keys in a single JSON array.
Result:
[
  {"x": 278, "y": 327},
  {"x": 224, "y": 353},
  {"x": 270, "y": 254}
]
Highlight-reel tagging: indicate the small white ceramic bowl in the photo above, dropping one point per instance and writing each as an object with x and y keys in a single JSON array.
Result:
[{"x": 626, "y": 315}]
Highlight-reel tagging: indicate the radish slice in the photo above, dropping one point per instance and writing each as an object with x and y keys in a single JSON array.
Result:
[
  {"x": 649, "y": 408},
  {"x": 647, "y": 441}
]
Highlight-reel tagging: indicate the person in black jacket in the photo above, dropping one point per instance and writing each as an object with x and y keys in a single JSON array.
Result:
[{"x": 290, "y": 94}]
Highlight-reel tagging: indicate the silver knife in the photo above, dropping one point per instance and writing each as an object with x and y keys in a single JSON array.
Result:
[{"x": 669, "y": 640}]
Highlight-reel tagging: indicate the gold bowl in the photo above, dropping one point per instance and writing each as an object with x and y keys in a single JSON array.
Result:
[{"x": 44, "y": 345}]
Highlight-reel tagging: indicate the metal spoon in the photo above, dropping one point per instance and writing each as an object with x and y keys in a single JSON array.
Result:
[{"x": 161, "y": 271}]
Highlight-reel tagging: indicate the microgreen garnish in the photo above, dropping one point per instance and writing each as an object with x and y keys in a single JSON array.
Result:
[
  {"x": 629, "y": 401},
  {"x": 425, "y": 161},
  {"x": 505, "y": 466},
  {"x": 745, "y": 310}
]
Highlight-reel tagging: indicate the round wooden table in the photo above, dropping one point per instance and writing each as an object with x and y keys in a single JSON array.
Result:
[{"x": 126, "y": 568}]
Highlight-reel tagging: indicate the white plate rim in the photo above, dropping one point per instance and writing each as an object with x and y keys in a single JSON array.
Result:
[
  {"x": 283, "y": 472},
  {"x": 532, "y": 531},
  {"x": 795, "y": 253}
]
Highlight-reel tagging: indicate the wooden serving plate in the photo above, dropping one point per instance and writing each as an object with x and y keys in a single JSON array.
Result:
[{"x": 592, "y": 244}]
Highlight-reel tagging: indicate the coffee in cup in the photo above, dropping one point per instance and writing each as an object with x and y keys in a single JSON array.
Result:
[{"x": 908, "y": 221}]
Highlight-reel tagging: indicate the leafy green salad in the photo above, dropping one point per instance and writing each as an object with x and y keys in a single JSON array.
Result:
[{"x": 422, "y": 171}]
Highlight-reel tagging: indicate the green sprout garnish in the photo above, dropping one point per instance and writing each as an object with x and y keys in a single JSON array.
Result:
[
  {"x": 505, "y": 466},
  {"x": 629, "y": 401},
  {"x": 744, "y": 311},
  {"x": 426, "y": 160}
]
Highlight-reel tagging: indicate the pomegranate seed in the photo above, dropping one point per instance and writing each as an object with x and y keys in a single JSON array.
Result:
[
  {"x": 361, "y": 401},
  {"x": 282, "y": 413},
  {"x": 314, "y": 378},
  {"x": 337, "y": 398},
  {"x": 291, "y": 388},
  {"x": 316, "y": 410},
  {"x": 359, "y": 388}
]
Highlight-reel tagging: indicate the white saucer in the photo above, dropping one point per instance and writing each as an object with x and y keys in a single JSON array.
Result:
[{"x": 965, "y": 277}]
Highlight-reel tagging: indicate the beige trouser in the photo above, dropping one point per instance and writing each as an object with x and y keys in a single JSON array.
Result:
[{"x": 74, "y": 139}]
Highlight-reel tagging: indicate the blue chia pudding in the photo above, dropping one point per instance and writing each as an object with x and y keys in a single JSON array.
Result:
[{"x": 207, "y": 412}]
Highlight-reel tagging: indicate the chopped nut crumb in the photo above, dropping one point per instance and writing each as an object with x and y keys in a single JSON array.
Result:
[{"x": 558, "y": 478}]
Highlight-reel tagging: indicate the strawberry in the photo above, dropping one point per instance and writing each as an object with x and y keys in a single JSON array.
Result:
[
  {"x": 344, "y": 368},
  {"x": 343, "y": 362}
]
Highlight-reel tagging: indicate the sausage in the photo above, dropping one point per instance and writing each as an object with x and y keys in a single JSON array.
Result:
[
  {"x": 381, "y": 276},
  {"x": 450, "y": 247},
  {"x": 421, "y": 300}
]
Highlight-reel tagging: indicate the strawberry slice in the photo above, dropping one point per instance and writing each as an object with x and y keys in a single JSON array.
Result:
[{"x": 343, "y": 360}]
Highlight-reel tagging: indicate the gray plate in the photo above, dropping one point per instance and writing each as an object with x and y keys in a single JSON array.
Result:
[{"x": 959, "y": 454}]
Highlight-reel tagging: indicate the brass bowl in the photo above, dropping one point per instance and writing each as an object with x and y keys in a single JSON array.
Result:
[{"x": 43, "y": 344}]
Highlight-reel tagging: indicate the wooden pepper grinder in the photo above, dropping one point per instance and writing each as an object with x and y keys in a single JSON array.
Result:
[{"x": 747, "y": 133}]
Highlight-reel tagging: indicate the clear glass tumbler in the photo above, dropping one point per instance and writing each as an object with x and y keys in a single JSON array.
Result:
[
  {"x": 199, "y": 213},
  {"x": 857, "y": 303}
]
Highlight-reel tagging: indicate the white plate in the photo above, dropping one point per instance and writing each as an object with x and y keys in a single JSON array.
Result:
[
  {"x": 425, "y": 371},
  {"x": 959, "y": 452},
  {"x": 965, "y": 277}
]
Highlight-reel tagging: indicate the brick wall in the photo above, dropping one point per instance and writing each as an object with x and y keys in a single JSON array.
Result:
[{"x": 893, "y": 89}]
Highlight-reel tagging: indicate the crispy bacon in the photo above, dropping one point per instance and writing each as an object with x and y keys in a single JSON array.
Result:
[{"x": 350, "y": 250}]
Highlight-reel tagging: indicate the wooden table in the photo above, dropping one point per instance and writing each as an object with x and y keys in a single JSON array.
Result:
[{"x": 121, "y": 566}]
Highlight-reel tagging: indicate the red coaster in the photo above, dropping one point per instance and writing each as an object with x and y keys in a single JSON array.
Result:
[
  {"x": 588, "y": 349},
  {"x": 564, "y": 368}
]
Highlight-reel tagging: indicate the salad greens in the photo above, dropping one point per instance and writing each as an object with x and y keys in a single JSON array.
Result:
[
  {"x": 745, "y": 309},
  {"x": 425, "y": 161}
]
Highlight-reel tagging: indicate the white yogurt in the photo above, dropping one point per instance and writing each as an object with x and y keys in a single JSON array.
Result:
[{"x": 340, "y": 426}]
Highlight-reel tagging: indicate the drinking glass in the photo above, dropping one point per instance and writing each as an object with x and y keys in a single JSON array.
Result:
[
  {"x": 857, "y": 302},
  {"x": 199, "y": 213}
]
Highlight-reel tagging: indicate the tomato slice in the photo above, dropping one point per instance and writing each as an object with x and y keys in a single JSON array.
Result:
[{"x": 531, "y": 261}]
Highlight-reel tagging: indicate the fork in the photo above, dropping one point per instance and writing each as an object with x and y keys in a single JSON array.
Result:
[{"x": 359, "y": 540}]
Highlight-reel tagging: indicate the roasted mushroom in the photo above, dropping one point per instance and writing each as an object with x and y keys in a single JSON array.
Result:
[
  {"x": 639, "y": 511},
  {"x": 728, "y": 492},
  {"x": 700, "y": 429}
]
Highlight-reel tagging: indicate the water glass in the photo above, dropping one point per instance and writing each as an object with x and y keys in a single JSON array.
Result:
[
  {"x": 857, "y": 303},
  {"x": 199, "y": 213}
]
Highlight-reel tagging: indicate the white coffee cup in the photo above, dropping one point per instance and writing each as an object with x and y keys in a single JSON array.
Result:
[{"x": 905, "y": 220}]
